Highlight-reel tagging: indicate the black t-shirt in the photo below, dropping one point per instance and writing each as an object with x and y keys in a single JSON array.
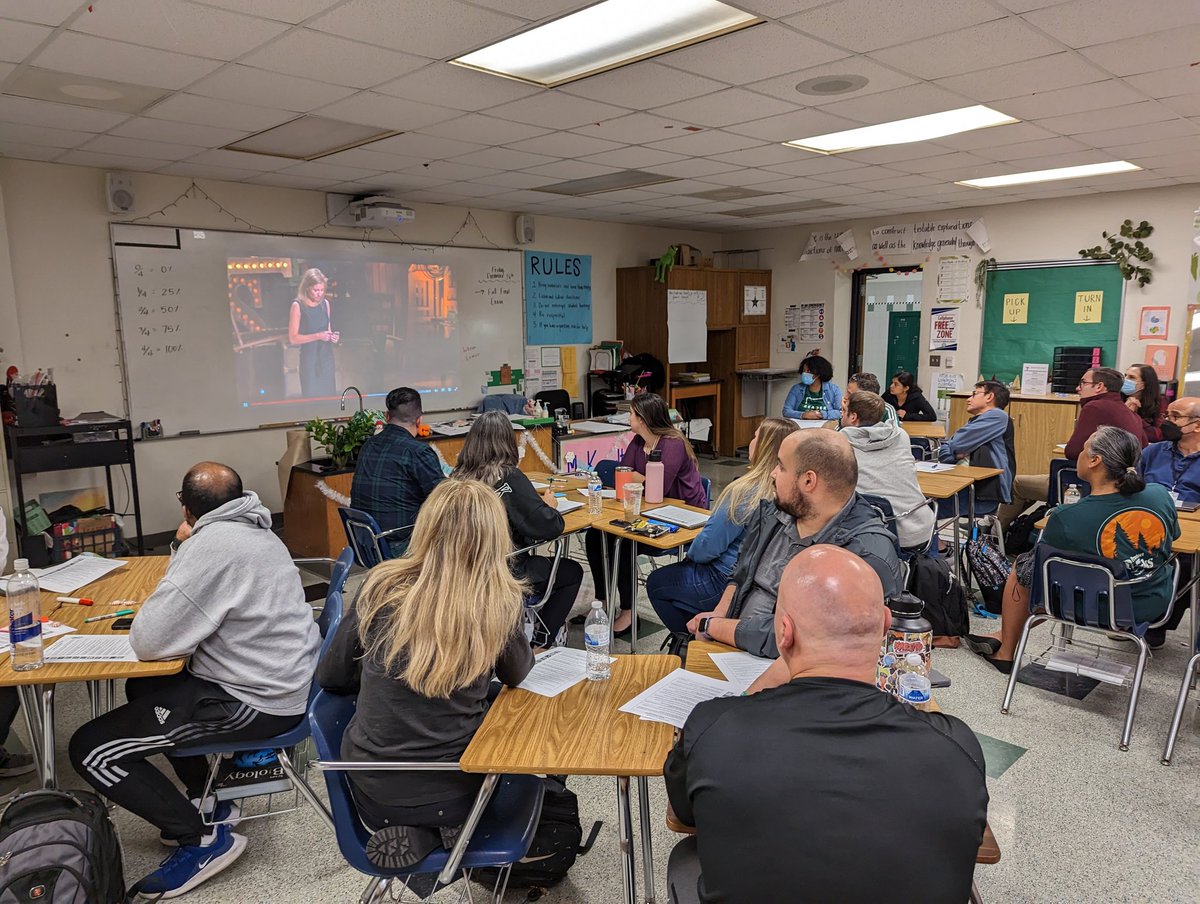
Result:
[{"x": 827, "y": 790}]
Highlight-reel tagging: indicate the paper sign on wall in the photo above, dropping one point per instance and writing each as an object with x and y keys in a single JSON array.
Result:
[
  {"x": 754, "y": 300},
  {"x": 1089, "y": 307},
  {"x": 943, "y": 332},
  {"x": 1035, "y": 379},
  {"x": 687, "y": 325},
  {"x": 1016, "y": 308}
]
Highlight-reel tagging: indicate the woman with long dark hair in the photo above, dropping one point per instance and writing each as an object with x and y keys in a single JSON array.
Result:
[
  {"x": 909, "y": 399},
  {"x": 1143, "y": 396}
]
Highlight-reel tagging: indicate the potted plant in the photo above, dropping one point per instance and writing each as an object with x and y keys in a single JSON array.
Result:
[{"x": 343, "y": 440}]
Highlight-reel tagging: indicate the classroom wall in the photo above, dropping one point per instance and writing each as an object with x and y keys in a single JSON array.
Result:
[
  {"x": 1049, "y": 229},
  {"x": 64, "y": 312}
]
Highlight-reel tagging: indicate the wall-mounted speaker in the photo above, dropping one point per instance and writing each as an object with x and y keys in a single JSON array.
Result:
[
  {"x": 118, "y": 191},
  {"x": 524, "y": 228}
]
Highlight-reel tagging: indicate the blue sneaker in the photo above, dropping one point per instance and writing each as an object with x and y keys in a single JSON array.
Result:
[
  {"x": 225, "y": 811},
  {"x": 192, "y": 865}
]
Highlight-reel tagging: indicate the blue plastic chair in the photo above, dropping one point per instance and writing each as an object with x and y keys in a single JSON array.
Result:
[
  {"x": 327, "y": 622},
  {"x": 707, "y": 484},
  {"x": 606, "y": 470},
  {"x": 497, "y": 833},
  {"x": 1090, "y": 593},
  {"x": 1062, "y": 474},
  {"x": 371, "y": 544}
]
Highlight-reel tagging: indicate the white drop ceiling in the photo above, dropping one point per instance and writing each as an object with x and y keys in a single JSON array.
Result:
[{"x": 1092, "y": 80}]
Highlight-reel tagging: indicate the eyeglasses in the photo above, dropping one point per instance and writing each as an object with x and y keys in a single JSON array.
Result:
[
  {"x": 979, "y": 392},
  {"x": 1176, "y": 418},
  {"x": 179, "y": 496},
  {"x": 1089, "y": 382}
]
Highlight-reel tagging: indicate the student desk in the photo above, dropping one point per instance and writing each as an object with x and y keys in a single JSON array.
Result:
[
  {"x": 947, "y": 485},
  {"x": 681, "y": 392},
  {"x": 135, "y": 582},
  {"x": 582, "y": 732},
  {"x": 931, "y": 430}
]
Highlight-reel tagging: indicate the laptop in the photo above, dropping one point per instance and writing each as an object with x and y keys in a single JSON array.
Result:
[{"x": 673, "y": 514}]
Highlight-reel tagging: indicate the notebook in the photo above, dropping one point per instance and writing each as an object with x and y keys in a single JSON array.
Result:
[
  {"x": 567, "y": 505},
  {"x": 673, "y": 514}
]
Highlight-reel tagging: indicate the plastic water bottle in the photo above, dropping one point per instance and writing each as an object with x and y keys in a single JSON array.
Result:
[
  {"x": 1071, "y": 495},
  {"x": 913, "y": 686},
  {"x": 595, "y": 495},
  {"x": 595, "y": 637},
  {"x": 24, "y": 618}
]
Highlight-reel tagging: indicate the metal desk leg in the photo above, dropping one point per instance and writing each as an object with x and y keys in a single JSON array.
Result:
[
  {"x": 633, "y": 595},
  {"x": 647, "y": 842},
  {"x": 625, "y": 831},
  {"x": 1195, "y": 607},
  {"x": 49, "y": 774},
  {"x": 611, "y": 583},
  {"x": 957, "y": 545},
  {"x": 32, "y": 708}
]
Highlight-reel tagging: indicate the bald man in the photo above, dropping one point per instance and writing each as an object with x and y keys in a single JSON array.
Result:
[
  {"x": 806, "y": 791},
  {"x": 815, "y": 502},
  {"x": 232, "y": 604}
]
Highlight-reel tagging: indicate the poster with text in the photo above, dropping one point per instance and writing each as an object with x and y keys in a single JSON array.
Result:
[
  {"x": 943, "y": 332},
  {"x": 558, "y": 298}
]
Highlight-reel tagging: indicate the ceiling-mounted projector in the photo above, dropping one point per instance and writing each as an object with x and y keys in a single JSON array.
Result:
[{"x": 380, "y": 210}]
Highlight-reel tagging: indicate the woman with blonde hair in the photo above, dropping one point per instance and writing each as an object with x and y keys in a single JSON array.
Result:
[
  {"x": 419, "y": 648},
  {"x": 681, "y": 590},
  {"x": 310, "y": 328}
]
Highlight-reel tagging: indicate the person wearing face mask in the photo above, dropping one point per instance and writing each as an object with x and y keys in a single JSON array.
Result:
[
  {"x": 1143, "y": 396},
  {"x": 815, "y": 397}
]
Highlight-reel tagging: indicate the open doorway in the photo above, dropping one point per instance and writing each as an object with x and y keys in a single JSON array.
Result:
[{"x": 885, "y": 321}]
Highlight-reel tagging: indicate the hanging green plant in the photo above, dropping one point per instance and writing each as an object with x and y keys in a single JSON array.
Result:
[
  {"x": 981, "y": 272},
  {"x": 1128, "y": 255}
]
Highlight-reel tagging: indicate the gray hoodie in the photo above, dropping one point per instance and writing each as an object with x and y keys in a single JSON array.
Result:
[
  {"x": 886, "y": 468},
  {"x": 232, "y": 600}
]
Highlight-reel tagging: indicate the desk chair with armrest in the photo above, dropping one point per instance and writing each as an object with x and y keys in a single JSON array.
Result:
[
  {"x": 327, "y": 622},
  {"x": 497, "y": 833},
  {"x": 371, "y": 544},
  {"x": 1088, "y": 593},
  {"x": 533, "y": 604}
]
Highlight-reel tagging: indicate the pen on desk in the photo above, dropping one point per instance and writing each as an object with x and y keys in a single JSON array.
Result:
[
  {"x": 116, "y": 614},
  {"x": 79, "y": 600}
]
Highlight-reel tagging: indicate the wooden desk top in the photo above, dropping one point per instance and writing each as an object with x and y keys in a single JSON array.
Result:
[
  {"x": 579, "y": 519},
  {"x": 579, "y": 732},
  {"x": 977, "y": 473},
  {"x": 924, "y": 429},
  {"x": 942, "y": 484},
  {"x": 135, "y": 582},
  {"x": 693, "y": 390},
  {"x": 699, "y": 661}
]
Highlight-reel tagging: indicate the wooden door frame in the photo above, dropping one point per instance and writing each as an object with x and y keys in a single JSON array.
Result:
[{"x": 858, "y": 310}]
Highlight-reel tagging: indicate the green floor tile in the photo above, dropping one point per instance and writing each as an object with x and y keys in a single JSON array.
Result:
[{"x": 998, "y": 755}]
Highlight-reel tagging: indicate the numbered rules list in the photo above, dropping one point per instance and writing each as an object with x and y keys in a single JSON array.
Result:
[{"x": 558, "y": 298}]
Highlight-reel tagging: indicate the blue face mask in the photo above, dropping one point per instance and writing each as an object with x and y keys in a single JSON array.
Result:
[
  {"x": 1129, "y": 387},
  {"x": 806, "y": 379}
]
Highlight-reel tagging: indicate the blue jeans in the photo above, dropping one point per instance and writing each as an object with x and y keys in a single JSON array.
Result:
[{"x": 683, "y": 589}]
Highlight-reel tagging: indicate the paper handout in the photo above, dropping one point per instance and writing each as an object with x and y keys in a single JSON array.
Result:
[{"x": 672, "y": 699}]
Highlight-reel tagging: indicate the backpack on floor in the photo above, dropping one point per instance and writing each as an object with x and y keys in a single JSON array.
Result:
[
  {"x": 1019, "y": 537},
  {"x": 59, "y": 847},
  {"x": 990, "y": 568},
  {"x": 945, "y": 600},
  {"x": 556, "y": 843}
]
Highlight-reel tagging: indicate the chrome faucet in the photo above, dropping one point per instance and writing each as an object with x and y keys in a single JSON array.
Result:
[{"x": 356, "y": 392}]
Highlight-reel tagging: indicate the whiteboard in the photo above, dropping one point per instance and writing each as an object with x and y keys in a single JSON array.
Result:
[{"x": 204, "y": 322}]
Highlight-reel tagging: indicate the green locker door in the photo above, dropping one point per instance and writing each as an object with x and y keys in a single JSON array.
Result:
[{"x": 904, "y": 344}]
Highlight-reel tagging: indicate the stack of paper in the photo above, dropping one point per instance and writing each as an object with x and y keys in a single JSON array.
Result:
[
  {"x": 92, "y": 648},
  {"x": 932, "y": 466},
  {"x": 673, "y": 698},
  {"x": 740, "y": 669},
  {"x": 555, "y": 670},
  {"x": 565, "y": 505},
  {"x": 49, "y": 629},
  {"x": 1089, "y": 666},
  {"x": 72, "y": 574}
]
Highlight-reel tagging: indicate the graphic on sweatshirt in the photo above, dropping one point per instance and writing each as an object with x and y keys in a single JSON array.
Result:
[{"x": 1136, "y": 537}]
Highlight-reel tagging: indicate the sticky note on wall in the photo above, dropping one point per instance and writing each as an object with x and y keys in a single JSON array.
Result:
[
  {"x": 1089, "y": 307},
  {"x": 1016, "y": 308}
]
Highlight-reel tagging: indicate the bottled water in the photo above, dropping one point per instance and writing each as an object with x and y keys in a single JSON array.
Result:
[
  {"x": 1071, "y": 495},
  {"x": 24, "y": 618},
  {"x": 595, "y": 639},
  {"x": 913, "y": 686},
  {"x": 595, "y": 495}
]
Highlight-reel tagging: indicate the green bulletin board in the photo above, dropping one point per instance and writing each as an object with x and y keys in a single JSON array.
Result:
[{"x": 1049, "y": 320}]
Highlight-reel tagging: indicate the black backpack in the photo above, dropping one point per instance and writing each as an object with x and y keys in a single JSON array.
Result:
[
  {"x": 59, "y": 847},
  {"x": 1019, "y": 536},
  {"x": 556, "y": 843},
  {"x": 945, "y": 600}
]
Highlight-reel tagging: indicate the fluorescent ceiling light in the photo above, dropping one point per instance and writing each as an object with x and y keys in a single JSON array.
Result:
[
  {"x": 309, "y": 138},
  {"x": 604, "y": 36},
  {"x": 904, "y": 131},
  {"x": 1052, "y": 175},
  {"x": 594, "y": 185}
]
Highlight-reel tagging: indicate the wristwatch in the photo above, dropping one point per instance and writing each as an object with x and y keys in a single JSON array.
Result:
[{"x": 702, "y": 627}]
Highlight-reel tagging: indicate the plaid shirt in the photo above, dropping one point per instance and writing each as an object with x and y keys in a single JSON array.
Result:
[{"x": 394, "y": 473}]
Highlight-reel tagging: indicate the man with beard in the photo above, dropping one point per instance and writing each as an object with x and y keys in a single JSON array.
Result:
[{"x": 815, "y": 503}]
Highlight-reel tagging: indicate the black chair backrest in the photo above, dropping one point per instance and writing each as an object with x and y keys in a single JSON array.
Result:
[
  {"x": 1063, "y": 473},
  {"x": 554, "y": 399}
]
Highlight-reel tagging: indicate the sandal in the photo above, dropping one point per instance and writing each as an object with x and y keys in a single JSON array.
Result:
[{"x": 984, "y": 646}]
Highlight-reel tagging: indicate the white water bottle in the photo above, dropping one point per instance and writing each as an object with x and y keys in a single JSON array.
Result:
[
  {"x": 913, "y": 686},
  {"x": 1071, "y": 495},
  {"x": 24, "y": 618},
  {"x": 596, "y": 633},
  {"x": 595, "y": 495}
]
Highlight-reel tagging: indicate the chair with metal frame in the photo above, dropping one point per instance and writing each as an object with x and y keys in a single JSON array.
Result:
[
  {"x": 497, "y": 832},
  {"x": 1088, "y": 593},
  {"x": 371, "y": 544},
  {"x": 1063, "y": 473},
  {"x": 1185, "y": 687},
  {"x": 327, "y": 623},
  {"x": 534, "y": 604}
]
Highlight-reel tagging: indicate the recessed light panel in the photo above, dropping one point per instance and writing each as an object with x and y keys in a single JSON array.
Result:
[
  {"x": 604, "y": 36},
  {"x": 309, "y": 138},
  {"x": 905, "y": 131},
  {"x": 594, "y": 185},
  {"x": 1053, "y": 175}
]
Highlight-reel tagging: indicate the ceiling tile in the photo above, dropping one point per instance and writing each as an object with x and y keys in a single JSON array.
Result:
[
  {"x": 894, "y": 153},
  {"x": 365, "y": 158},
  {"x": 696, "y": 168},
  {"x": 221, "y": 113},
  {"x": 1185, "y": 104},
  {"x": 636, "y": 128},
  {"x": 802, "y": 123},
  {"x": 45, "y": 12},
  {"x": 565, "y": 144},
  {"x": 1059, "y": 70},
  {"x": 634, "y": 158},
  {"x": 626, "y": 87},
  {"x": 456, "y": 87},
  {"x": 955, "y": 160},
  {"x": 1039, "y": 148},
  {"x": 725, "y": 108},
  {"x": 224, "y": 173},
  {"x": 240, "y": 160},
  {"x": 516, "y": 180},
  {"x": 426, "y": 147},
  {"x": 763, "y": 155},
  {"x": 982, "y": 138},
  {"x": 1083, "y": 23},
  {"x": 1079, "y": 99},
  {"x": 179, "y": 27},
  {"x": 432, "y": 28},
  {"x": 20, "y": 133},
  {"x": 534, "y": 10},
  {"x": 1168, "y": 82},
  {"x": 900, "y": 103},
  {"x": 149, "y": 129},
  {"x": 1110, "y": 118},
  {"x": 269, "y": 89},
  {"x": 871, "y": 24},
  {"x": 752, "y": 54},
  {"x": 818, "y": 166},
  {"x": 1131, "y": 56},
  {"x": 706, "y": 143},
  {"x": 569, "y": 169},
  {"x": 333, "y": 172},
  {"x": 485, "y": 130},
  {"x": 58, "y": 116},
  {"x": 18, "y": 39},
  {"x": 328, "y": 58},
  {"x": 396, "y": 113},
  {"x": 138, "y": 147},
  {"x": 1150, "y": 131},
  {"x": 880, "y": 78},
  {"x": 452, "y": 171},
  {"x": 102, "y": 58},
  {"x": 505, "y": 159},
  {"x": 111, "y": 161},
  {"x": 473, "y": 191},
  {"x": 293, "y": 11},
  {"x": 282, "y": 180},
  {"x": 743, "y": 176},
  {"x": 1153, "y": 148},
  {"x": 987, "y": 44},
  {"x": 556, "y": 110}
]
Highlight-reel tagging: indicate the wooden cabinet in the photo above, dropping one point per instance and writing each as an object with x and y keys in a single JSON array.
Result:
[
  {"x": 1039, "y": 422},
  {"x": 735, "y": 339}
]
